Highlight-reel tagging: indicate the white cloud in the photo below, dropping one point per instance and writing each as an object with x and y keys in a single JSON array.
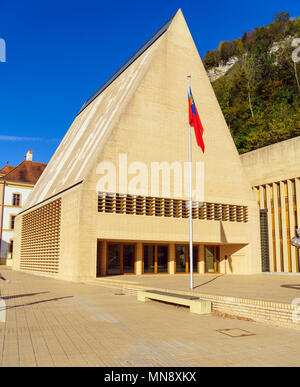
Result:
[{"x": 36, "y": 139}]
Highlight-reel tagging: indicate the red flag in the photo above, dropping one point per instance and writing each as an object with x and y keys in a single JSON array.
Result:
[{"x": 195, "y": 121}]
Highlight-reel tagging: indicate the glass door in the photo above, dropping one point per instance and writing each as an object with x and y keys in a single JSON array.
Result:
[
  {"x": 195, "y": 259},
  {"x": 162, "y": 259},
  {"x": 183, "y": 259},
  {"x": 149, "y": 259},
  {"x": 120, "y": 259},
  {"x": 114, "y": 259},
  {"x": 128, "y": 259},
  {"x": 156, "y": 259},
  {"x": 212, "y": 259}
]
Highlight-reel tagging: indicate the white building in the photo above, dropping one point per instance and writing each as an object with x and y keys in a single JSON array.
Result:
[{"x": 16, "y": 183}]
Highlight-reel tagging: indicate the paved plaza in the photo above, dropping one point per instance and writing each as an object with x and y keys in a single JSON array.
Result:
[
  {"x": 282, "y": 288},
  {"x": 55, "y": 323}
]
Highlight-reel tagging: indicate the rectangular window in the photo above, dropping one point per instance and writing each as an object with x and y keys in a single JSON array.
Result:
[
  {"x": 16, "y": 200},
  {"x": 12, "y": 222},
  {"x": 11, "y": 246},
  {"x": 264, "y": 241}
]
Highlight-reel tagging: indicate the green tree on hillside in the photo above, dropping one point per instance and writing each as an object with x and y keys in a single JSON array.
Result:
[{"x": 260, "y": 95}]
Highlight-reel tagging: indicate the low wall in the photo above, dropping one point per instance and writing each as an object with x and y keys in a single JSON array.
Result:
[{"x": 284, "y": 315}]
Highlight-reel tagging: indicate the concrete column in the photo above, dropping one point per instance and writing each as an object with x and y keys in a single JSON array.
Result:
[
  {"x": 139, "y": 259},
  {"x": 257, "y": 195},
  {"x": 98, "y": 265},
  {"x": 201, "y": 259},
  {"x": 199, "y": 254},
  {"x": 103, "y": 258},
  {"x": 172, "y": 258},
  {"x": 284, "y": 228},
  {"x": 262, "y": 205},
  {"x": 270, "y": 231},
  {"x": 277, "y": 234},
  {"x": 222, "y": 260},
  {"x": 292, "y": 226}
]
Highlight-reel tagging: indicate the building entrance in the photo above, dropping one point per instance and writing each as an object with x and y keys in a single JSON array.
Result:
[
  {"x": 156, "y": 259},
  {"x": 120, "y": 258}
]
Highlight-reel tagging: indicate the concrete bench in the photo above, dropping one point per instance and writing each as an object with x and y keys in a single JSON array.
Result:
[{"x": 196, "y": 305}]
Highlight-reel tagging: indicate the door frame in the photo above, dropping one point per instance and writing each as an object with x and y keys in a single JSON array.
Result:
[
  {"x": 155, "y": 257},
  {"x": 121, "y": 257}
]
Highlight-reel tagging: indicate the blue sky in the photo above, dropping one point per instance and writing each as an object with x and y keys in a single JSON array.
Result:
[{"x": 60, "y": 52}]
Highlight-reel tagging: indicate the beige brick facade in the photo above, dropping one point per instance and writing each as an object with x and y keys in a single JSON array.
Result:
[{"x": 275, "y": 176}]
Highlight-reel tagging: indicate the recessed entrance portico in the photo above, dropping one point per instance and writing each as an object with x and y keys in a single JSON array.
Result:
[{"x": 146, "y": 258}]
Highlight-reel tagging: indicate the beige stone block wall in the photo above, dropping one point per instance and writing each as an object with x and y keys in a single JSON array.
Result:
[
  {"x": 273, "y": 163},
  {"x": 1, "y": 204},
  {"x": 70, "y": 234},
  {"x": 139, "y": 259}
]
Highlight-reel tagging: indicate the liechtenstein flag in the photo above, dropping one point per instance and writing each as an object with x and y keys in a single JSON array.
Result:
[{"x": 195, "y": 121}]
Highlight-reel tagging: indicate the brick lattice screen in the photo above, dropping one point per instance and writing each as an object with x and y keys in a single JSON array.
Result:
[
  {"x": 40, "y": 242},
  {"x": 171, "y": 208}
]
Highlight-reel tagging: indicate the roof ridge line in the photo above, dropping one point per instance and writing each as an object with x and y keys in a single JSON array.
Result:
[{"x": 132, "y": 59}]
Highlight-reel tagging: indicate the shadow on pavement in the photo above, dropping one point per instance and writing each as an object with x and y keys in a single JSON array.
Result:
[
  {"x": 293, "y": 286},
  {"x": 38, "y": 302},
  {"x": 22, "y": 295},
  {"x": 205, "y": 283}
]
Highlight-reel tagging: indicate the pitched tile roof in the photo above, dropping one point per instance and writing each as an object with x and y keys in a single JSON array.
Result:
[
  {"x": 6, "y": 169},
  {"x": 26, "y": 172}
]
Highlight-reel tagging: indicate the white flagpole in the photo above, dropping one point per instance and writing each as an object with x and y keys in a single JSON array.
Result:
[{"x": 191, "y": 198}]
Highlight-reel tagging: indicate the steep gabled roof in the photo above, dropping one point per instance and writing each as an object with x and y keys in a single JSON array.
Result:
[
  {"x": 85, "y": 139},
  {"x": 26, "y": 172},
  {"x": 142, "y": 112}
]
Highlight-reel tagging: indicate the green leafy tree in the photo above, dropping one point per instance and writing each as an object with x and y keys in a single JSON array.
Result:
[{"x": 260, "y": 94}]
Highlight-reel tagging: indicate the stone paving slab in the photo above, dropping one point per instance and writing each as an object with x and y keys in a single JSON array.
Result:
[{"x": 56, "y": 323}]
